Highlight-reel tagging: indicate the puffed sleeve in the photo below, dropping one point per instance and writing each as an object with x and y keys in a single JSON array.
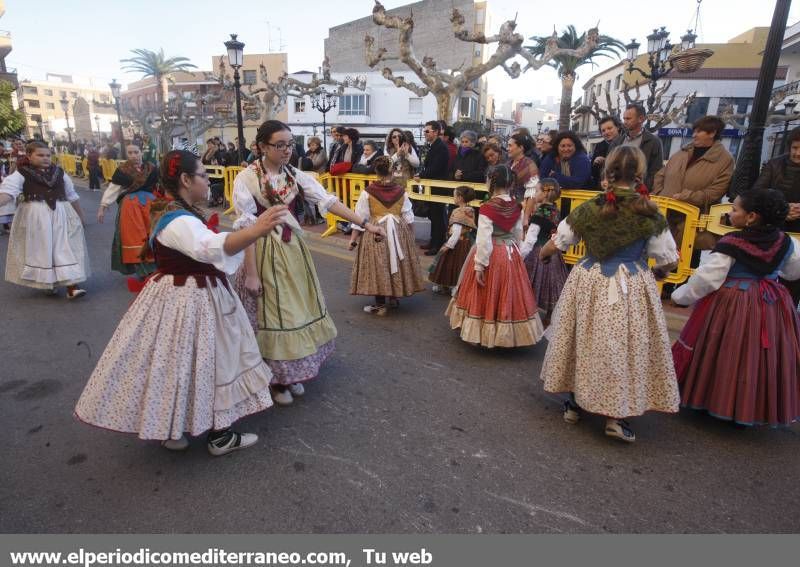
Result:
[
  {"x": 708, "y": 277},
  {"x": 455, "y": 234},
  {"x": 483, "y": 242},
  {"x": 362, "y": 209},
  {"x": 408, "y": 210},
  {"x": 110, "y": 194},
  {"x": 188, "y": 235},
  {"x": 315, "y": 192},
  {"x": 413, "y": 158},
  {"x": 244, "y": 204},
  {"x": 662, "y": 248},
  {"x": 530, "y": 240},
  {"x": 69, "y": 189},
  {"x": 565, "y": 236},
  {"x": 791, "y": 268},
  {"x": 12, "y": 185}
]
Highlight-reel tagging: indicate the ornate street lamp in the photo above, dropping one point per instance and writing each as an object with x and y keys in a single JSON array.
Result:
[
  {"x": 235, "y": 59},
  {"x": 65, "y": 107},
  {"x": 324, "y": 102},
  {"x": 539, "y": 127},
  {"x": 97, "y": 123},
  {"x": 41, "y": 130},
  {"x": 115, "y": 92}
]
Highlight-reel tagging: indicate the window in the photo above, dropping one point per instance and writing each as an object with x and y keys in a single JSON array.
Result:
[
  {"x": 62, "y": 94},
  {"x": 468, "y": 108},
  {"x": 249, "y": 77},
  {"x": 187, "y": 95},
  {"x": 354, "y": 105},
  {"x": 617, "y": 82},
  {"x": 734, "y": 147},
  {"x": 299, "y": 106},
  {"x": 30, "y": 90},
  {"x": 415, "y": 105},
  {"x": 739, "y": 104},
  {"x": 608, "y": 86},
  {"x": 32, "y": 103},
  {"x": 36, "y": 117},
  {"x": 50, "y": 106},
  {"x": 48, "y": 92},
  {"x": 697, "y": 109}
]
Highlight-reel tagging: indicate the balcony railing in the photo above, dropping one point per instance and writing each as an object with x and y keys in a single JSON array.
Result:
[{"x": 786, "y": 90}]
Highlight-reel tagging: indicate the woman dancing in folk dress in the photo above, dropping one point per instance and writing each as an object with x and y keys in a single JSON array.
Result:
[
  {"x": 609, "y": 345},
  {"x": 278, "y": 282},
  {"x": 738, "y": 356},
  {"x": 133, "y": 187},
  {"x": 386, "y": 268},
  {"x": 494, "y": 304},
  {"x": 47, "y": 247},
  {"x": 184, "y": 359}
]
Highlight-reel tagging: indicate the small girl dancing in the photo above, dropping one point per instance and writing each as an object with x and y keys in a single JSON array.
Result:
[
  {"x": 494, "y": 304},
  {"x": 447, "y": 265},
  {"x": 546, "y": 277},
  {"x": 385, "y": 267}
]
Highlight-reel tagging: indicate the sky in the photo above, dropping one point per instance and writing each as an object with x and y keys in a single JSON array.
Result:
[{"x": 87, "y": 38}]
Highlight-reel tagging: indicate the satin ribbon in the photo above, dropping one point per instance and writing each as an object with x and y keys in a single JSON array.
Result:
[{"x": 393, "y": 240}]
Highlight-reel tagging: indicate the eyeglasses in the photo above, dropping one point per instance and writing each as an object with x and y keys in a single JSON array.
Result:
[
  {"x": 427, "y": 131},
  {"x": 204, "y": 175},
  {"x": 282, "y": 146}
]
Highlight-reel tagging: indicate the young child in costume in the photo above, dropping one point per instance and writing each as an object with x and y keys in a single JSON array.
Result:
[
  {"x": 184, "y": 359},
  {"x": 608, "y": 344},
  {"x": 547, "y": 278},
  {"x": 133, "y": 187},
  {"x": 447, "y": 265},
  {"x": 387, "y": 268},
  {"x": 738, "y": 356},
  {"x": 494, "y": 304},
  {"x": 47, "y": 247}
]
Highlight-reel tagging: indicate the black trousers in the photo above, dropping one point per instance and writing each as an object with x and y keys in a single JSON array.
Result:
[
  {"x": 437, "y": 214},
  {"x": 95, "y": 175}
]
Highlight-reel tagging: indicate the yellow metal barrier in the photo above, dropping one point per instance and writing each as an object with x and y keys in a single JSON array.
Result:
[{"x": 230, "y": 174}]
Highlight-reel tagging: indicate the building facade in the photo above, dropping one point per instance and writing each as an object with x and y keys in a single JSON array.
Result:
[{"x": 344, "y": 47}]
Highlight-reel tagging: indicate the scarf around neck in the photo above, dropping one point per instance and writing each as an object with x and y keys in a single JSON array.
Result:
[
  {"x": 387, "y": 195},
  {"x": 502, "y": 213},
  {"x": 604, "y": 236},
  {"x": 760, "y": 249},
  {"x": 132, "y": 179}
]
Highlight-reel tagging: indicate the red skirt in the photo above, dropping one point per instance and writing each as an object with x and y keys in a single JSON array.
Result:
[
  {"x": 738, "y": 356},
  {"x": 501, "y": 313}
]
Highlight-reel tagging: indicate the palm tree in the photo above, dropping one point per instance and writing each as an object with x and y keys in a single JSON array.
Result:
[
  {"x": 567, "y": 65},
  {"x": 156, "y": 65}
]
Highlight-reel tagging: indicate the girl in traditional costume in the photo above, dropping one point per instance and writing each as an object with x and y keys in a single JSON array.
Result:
[
  {"x": 494, "y": 304},
  {"x": 133, "y": 187},
  {"x": 278, "y": 283},
  {"x": 447, "y": 265},
  {"x": 609, "y": 345},
  {"x": 184, "y": 359},
  {"x": 386, "y": 268},
  {"x": 47, "y": 247},
  {"x": 738, "y": 356},
  {"x": 547, "y": 278}
]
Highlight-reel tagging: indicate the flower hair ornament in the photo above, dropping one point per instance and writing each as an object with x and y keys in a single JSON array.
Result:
[
  {"x": 641, "y": 188},
  {"x": 611, "y": 197},
  {"x": 173, "y": 165}
]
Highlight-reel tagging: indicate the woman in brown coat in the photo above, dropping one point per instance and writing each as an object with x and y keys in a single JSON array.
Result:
[{"x": 699, "y": 174}]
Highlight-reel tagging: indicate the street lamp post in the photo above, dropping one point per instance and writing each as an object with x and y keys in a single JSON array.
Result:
[
  {"x": 41, "y": 130},
  {"x": 235, "y": 58},
  {"x": 658, "y": 62},
  {"x": 115, "y": 92},
  {"x": 789, "y": 111},
  {"x": 97, "y": 123},
  {"x": 65, "y": 107},
  {"x": 324, "y": 102},
  {"x": 539, "y": 127}
]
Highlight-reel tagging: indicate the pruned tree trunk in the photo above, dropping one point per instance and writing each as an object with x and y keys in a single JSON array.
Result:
[{"x": 565, "y": 110}]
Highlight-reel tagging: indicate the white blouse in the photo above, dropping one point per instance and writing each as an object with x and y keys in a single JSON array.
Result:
[
  {"x": 483, "y": 239},
  {"x": 411, "y": 157},
  {"x": 246, "y": 187},
  {"x": 111, "y": 194},
  {"x": 12, "y": 185},
  {"x": 188, "y": 235},
  {"x": 455, "y": 234},
  {"x": 362, "y": 209},
  {"x": 661, "y": 247},
  {"x": 713, "y": 272},
  {"x": 530, "y": 240}
]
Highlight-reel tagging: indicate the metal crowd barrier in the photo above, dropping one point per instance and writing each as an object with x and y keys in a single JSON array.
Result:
[{"x": 69, "y": 163}]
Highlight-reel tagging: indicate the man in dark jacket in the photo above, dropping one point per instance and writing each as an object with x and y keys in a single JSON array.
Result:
[
  {"x": 610, "y": 129},
  {"x": 637, "y": 136},
  {"x": 435, "y": 166}
]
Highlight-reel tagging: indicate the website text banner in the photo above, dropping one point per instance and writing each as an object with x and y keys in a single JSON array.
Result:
[{"x": 393, "y": 551}]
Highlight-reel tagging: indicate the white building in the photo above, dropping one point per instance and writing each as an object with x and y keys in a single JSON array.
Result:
[{"x": 373, "y": 111}]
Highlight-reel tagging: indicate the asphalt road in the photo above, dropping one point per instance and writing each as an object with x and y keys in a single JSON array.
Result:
[{"x": 408, "y": 430}]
